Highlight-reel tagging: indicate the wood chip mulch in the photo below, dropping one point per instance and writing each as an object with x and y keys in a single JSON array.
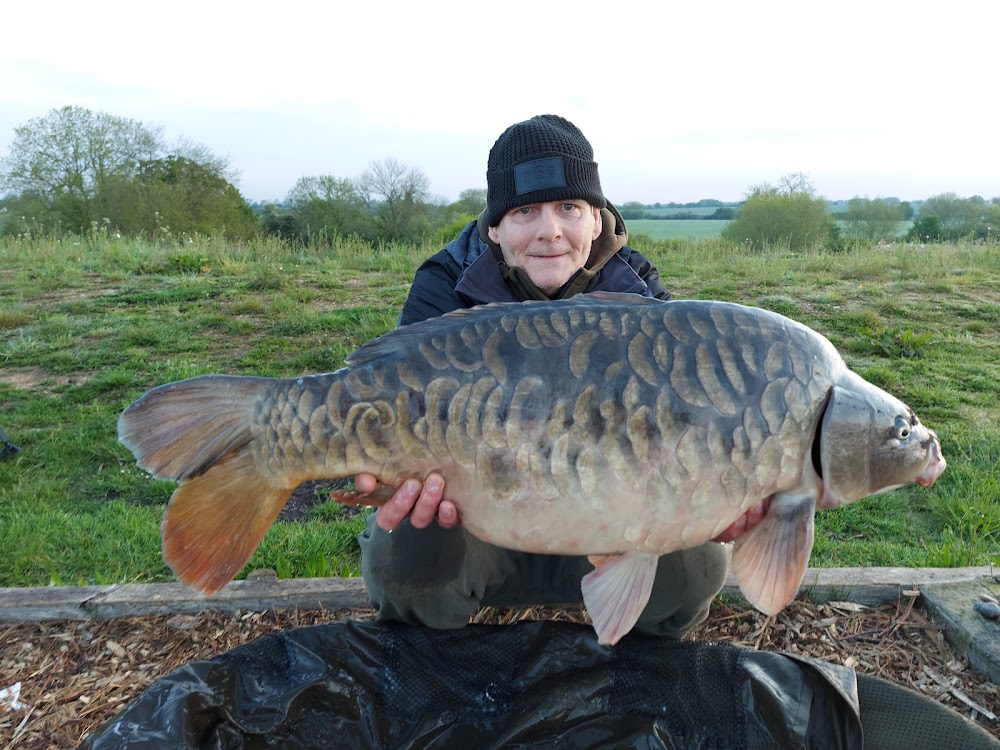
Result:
[{"x": 66, "y": 678}]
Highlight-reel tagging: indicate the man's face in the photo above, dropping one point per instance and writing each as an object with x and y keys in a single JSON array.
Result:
[{"x": 549, "y": 241}]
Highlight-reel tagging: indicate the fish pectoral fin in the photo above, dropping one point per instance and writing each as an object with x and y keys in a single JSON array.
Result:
[
  {"x": 770, "y": 560},
  {"x": 616, "y": 593},
  {"x": 376, "y": 498},
  {"x": 216, "y": 520}
]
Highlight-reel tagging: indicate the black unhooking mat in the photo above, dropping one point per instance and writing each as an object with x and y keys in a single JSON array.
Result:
[{"x": 531, "y": 685}]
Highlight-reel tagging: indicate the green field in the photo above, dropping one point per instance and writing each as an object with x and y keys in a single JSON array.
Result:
[
  {"x": 88, "y": 325},
  {"x": 676, "y": 229}
]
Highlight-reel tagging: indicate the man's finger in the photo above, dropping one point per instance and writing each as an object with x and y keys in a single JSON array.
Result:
[
  {"x": 393, "y": 512},
  {"x": 426, "y": 508},
  {"x": 365, "y": 483},
  {"x": 447, "y": 514}
]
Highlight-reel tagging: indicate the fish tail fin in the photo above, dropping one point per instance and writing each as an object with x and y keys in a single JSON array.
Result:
[
  {"x": 770, "y": 560},
  {"x": 199, "y": 432},
  {"x": 616, "y": 593}
]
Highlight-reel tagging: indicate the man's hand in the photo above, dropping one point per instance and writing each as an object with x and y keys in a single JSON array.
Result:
[{"x": 422, "y": 502}]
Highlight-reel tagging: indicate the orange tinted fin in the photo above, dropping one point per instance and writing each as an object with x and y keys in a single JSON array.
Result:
[
  {"x": 617, "y": 592},
  {"x": 381, "y": 495},
  {"x": 216, "y": 520},
  {"x": 770, "y": 560}
]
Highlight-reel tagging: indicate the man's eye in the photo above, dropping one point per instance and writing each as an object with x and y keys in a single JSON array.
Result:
[
  {"x": 524, "y": 210},
  {"x": 569, "y": 206}
]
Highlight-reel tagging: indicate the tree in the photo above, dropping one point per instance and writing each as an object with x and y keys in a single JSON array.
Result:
[
  {"x": 327, "y": 205},
  {"x": 470, "y": 201},
  {"x": 632, "y": 210},
  {"x": 875, "y": 219},
  {"x": 959, "y": 217},
  {"x": 396, "y": 198},
  {"x": 723, "y": 213},
  {"x": 926, "y": 229},
  {"x": 75, "y": 168},
  {"x": 65, "y": 159},
  {"x": 180, "y": 196},
  {"x": 789, "y": 213}
]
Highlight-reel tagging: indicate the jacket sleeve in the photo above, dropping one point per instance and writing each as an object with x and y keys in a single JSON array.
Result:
[
  {"x": 648, "y": 273},
  {"x": 433, "y": 290}
]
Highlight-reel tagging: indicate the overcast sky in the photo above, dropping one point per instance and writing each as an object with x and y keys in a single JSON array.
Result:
[{"x": 681, "y": 101}]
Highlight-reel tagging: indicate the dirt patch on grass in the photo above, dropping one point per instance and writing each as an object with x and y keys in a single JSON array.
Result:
[
  {"x": 37, "y": 379},
  {"x": 76, "y": 675}
]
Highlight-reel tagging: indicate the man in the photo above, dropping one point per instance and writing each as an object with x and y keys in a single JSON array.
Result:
[{"x": 547, "y": 232}]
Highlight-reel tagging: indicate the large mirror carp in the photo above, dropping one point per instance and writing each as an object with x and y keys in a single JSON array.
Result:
[{"x": 606, "y": 425}]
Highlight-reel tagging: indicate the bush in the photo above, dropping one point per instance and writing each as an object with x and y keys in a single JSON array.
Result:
[
  {"x": 926, "y": 229},
  {"x": 443, "y": 235},
  {"x": 770, "y": 216}
]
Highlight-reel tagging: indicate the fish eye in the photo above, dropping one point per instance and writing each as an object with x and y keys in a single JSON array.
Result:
[{"x": 902, "y": 428}]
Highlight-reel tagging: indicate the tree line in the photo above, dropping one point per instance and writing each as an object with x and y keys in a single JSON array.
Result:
[{"x": 75, "y": 170}]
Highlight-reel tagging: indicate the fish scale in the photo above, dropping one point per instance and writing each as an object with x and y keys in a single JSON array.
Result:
[{"x": 599, "y": 425}]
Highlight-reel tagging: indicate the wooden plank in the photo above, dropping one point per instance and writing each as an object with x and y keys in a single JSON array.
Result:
[
  {"x": 872, "y": 586},
  {"x": 952, "y": 607},
  {"x": 867, "y": 586},
  {"x": 135, "y": 599}
]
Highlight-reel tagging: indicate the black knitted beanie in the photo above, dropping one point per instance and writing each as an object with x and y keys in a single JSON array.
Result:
[{"x": 543, "y": 159}]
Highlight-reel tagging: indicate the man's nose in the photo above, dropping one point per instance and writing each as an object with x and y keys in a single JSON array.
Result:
[{"x": 550, "y": 224}]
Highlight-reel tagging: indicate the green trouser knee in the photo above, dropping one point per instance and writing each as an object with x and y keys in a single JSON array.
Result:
[
  {"x": 441, "y": 577},
  {"x": 897, "y": 718}
]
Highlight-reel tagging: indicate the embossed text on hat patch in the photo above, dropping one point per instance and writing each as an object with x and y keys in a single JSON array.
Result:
[{"x": 539, "y": 174}]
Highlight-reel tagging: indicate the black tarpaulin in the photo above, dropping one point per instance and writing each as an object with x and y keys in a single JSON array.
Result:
[{"x": 530, "y": 685}]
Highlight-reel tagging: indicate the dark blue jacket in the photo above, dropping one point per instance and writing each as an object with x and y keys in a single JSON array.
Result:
[{"x": 466, "y": 274}]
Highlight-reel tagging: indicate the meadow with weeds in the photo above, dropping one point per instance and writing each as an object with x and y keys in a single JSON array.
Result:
[{"x": 88, "y": 324}]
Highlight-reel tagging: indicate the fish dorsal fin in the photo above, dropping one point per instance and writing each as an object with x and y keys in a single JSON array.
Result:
[
  {"x": 770, "y": 560},
  {"x": 629, "y": 297},
  {"x": 616, "y": 593},
  {"x": 401, "y": 338}
]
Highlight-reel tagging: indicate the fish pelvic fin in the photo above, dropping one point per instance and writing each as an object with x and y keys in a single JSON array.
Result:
[
  {"x": 377, "y": 498},
  {"x": 616, "y": 592},
  {"x": 216, "y": 520},
  {"x": 770, "y": 560}
]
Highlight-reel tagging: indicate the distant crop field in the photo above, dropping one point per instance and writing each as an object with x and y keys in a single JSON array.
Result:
[{"x": 676, "y": 229}]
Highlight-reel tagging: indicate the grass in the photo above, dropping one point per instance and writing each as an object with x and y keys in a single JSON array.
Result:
[{"x": 85, "y": 328}]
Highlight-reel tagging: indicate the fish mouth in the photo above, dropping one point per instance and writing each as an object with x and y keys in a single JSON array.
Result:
[{"x": 935, "y": 464}]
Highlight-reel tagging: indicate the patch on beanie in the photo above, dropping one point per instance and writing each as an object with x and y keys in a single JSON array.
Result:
[{"x": 539, "y": 174}]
